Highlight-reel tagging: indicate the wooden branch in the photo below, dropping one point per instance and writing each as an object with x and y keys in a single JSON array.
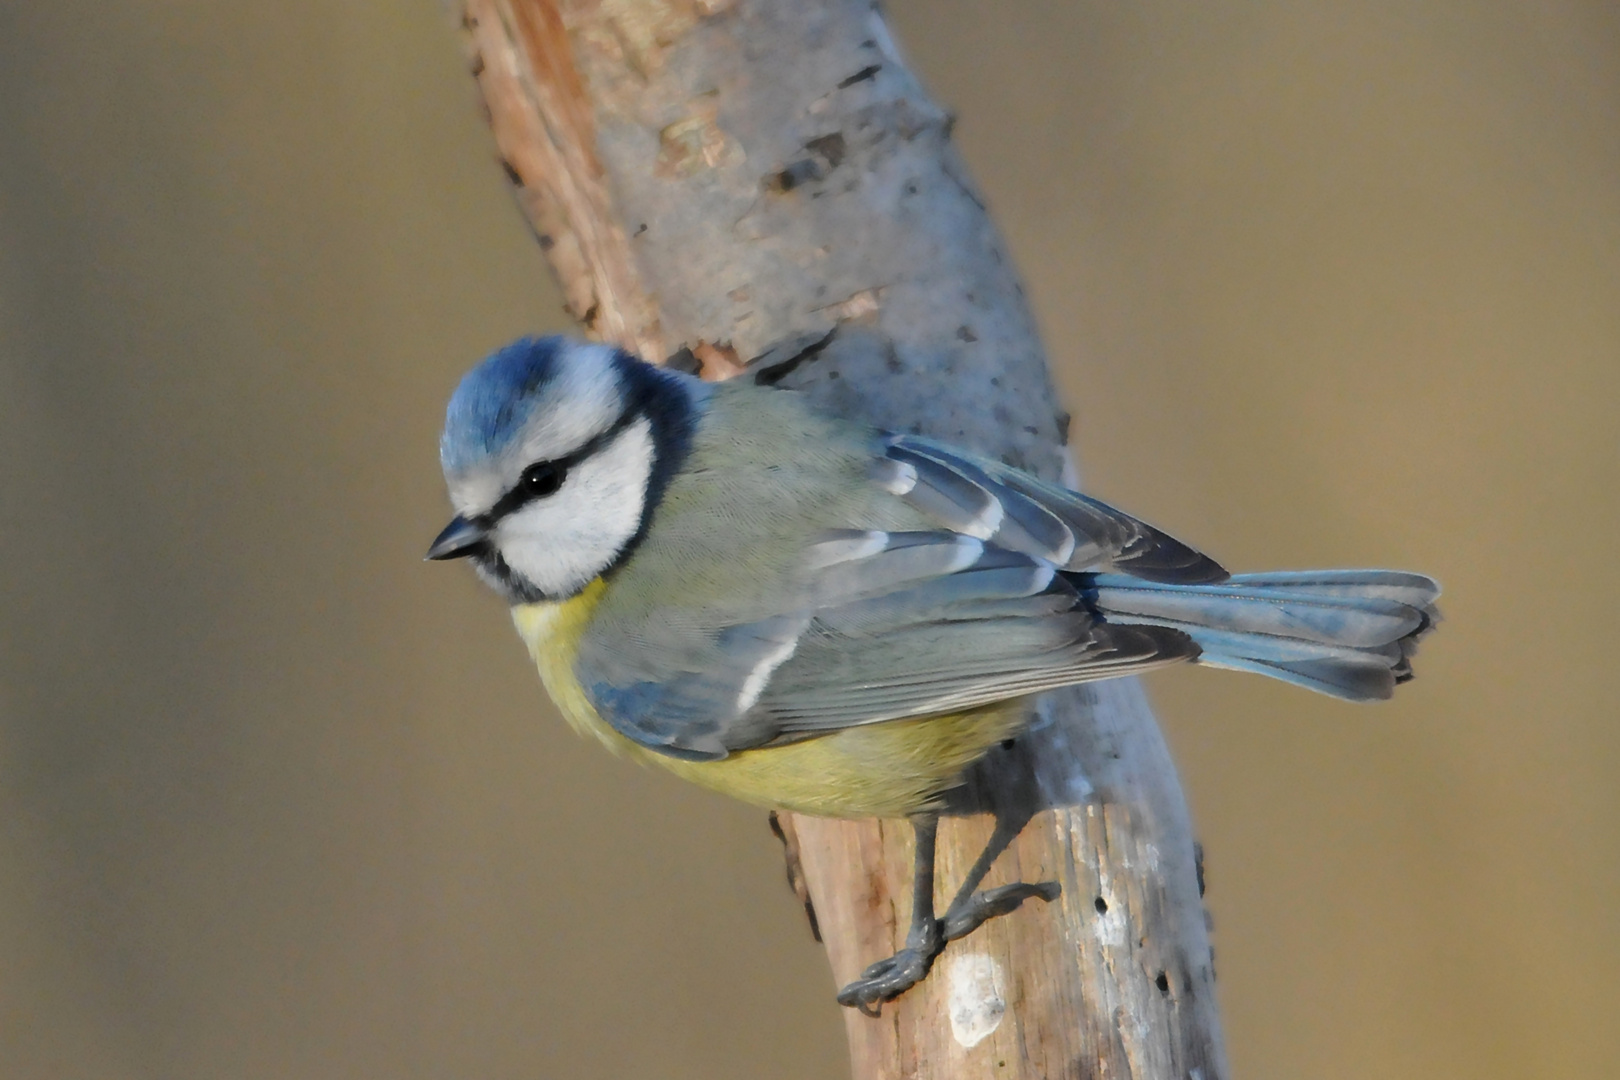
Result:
[
  {"x": 763, "y": 186},
  {"x": 546, "y": 132}
]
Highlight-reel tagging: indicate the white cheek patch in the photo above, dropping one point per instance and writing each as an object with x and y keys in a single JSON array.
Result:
[{"x": 559, "y": 543}]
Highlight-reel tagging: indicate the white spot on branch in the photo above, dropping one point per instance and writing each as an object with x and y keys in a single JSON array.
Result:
[
  {"x": 1110, "y": 927},
  {"x": 977, "y": 999}
]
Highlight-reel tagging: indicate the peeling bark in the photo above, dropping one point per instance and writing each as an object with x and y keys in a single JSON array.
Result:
[{"x": 761, "y": 189}]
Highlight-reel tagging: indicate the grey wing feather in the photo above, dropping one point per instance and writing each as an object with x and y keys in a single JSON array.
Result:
[
  {"x": 883, "y": 561},
  {"x": 692, "y": 691},
  {"x": 1000, "y": 584},
  {"x": 702, "y": 713},
  {"x": 1014, "y": 510},
  {"x": 1006, "y": 625},
  {"x": 934, "y": 668},
  {"x": 901, "y": 624}
]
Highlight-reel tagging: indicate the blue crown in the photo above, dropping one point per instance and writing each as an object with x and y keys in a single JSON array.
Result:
[{"x": 494, "y": 400}]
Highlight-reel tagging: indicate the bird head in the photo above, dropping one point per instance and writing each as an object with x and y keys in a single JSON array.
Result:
[{"x": 555, "y": 452}]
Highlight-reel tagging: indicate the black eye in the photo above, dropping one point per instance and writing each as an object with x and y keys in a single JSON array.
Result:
[{"x": 543, "y": 478}]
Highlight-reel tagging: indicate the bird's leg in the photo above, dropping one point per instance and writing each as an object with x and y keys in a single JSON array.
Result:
[
  {"x": 888, "y": 979},
  {"x": 970, "y": 909}
]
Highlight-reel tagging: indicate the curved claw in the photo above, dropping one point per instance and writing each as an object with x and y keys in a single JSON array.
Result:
[{"x": 887, "y": 980}]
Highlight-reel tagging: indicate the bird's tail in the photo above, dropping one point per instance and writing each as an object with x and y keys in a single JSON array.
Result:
[{"x": 1348, "y": 633}]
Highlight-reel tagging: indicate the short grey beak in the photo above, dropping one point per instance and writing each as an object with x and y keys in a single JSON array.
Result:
[{"x": 458, "y": 540}]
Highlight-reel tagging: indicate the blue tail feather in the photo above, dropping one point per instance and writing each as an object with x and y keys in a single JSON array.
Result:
[{"x": 1348, "y": 633}]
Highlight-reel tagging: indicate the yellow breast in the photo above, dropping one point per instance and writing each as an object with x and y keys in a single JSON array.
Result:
[{"x": 888, "y": 769}]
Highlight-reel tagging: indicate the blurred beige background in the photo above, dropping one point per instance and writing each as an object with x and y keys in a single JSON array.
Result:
[{"x": 1325, "y": 284}]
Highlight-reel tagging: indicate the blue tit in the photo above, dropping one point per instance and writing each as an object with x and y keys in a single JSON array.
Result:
[{"x": 810, "y": 614}]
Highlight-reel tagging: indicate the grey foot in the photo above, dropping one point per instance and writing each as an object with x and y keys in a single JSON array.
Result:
[
  {"x": 888, "y": 979},
  {"x": 967, "y": 916}
]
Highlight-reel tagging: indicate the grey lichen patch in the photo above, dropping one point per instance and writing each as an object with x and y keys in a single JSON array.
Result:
[{"x": 761, "y": 189}]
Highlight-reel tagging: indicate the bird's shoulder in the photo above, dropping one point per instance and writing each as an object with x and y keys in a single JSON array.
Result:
[{"x": 765, "y": 477}]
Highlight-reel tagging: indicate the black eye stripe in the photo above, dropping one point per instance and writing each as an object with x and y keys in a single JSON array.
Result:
[{"x": 545, "y": 478}]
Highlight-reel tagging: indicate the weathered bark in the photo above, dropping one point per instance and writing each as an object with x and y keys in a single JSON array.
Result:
[{"x": 762, "y": 187}]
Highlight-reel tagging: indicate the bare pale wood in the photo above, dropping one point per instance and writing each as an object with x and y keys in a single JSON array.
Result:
[{"x": 763, "y": 187}]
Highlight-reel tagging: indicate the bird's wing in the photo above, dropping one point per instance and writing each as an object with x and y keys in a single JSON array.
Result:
[
  {"x": 1012, "y": 509},
  {"x": 1006, "y": 625},
  {"x": 889, "y": 625},
  {"x": 925, "y": 580}
]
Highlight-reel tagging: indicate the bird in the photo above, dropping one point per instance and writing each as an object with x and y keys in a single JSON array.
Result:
[{"x": 812, "y": 614}]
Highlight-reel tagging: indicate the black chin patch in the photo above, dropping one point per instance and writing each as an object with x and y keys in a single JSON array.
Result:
[{"x": 503, "y": 579}]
